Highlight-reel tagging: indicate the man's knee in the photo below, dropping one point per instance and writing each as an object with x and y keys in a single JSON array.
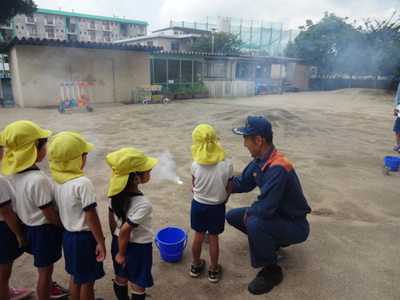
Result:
[{"x": 235, "y": 215}]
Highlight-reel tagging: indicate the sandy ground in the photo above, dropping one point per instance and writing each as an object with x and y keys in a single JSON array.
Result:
[{"x": 336, "y": 141}]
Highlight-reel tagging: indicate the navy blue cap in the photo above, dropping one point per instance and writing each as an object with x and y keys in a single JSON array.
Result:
[{"x": 257, "y": 126}]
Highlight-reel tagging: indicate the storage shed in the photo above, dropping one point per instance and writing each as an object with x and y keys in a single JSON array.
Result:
[{"x": 112, "y": 70}]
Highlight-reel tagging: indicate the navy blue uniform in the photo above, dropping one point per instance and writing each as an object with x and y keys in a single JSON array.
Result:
[{"x": 278, "y": 217}]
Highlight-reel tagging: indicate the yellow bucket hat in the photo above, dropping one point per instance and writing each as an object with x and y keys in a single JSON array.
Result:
[
  {"x": 122, "y": 163},
  {"x": 65, "y": 155},
  {"x": 206, "y": 148},
  {"x": 19, "y": 139}
]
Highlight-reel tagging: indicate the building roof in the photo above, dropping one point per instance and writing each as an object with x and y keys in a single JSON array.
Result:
[
  {"x": 186, "y": 30},
  {"x": 237, "y": 56},
  {"x": 72, "y": 14},
  {"x": 158, "y": 36},
  {"x": 76, "y": 44}
]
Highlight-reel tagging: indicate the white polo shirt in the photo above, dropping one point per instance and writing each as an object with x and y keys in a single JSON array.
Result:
[
  {"x": 6, "y": 193},
  {"x": 210, "y": 181},
  {"x": 139, "y": 213},
  {"x": 33, "y": 190},
  {"x": 73, "y": 198}
]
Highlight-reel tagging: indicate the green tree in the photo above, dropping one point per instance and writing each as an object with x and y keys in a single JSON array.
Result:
[
  {"x": 328, "y": 45},
  {"x": 223, "y": 43},
  {"x": 383, "y": 46},
  {"x": 11, "y": 8}
]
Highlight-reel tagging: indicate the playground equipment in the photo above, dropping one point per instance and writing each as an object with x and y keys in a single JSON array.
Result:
[
  {"x": 72, "y": 94},
  {"x": 152, "y": 94}
]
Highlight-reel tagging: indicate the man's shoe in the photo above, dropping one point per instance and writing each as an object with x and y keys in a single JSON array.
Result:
[
  {"x": 195, "y": 271},
  {"x": 58, "y": 291},
  {"x": 265, "y": 281}
]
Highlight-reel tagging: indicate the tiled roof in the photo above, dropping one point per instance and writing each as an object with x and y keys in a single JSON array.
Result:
[
  {"x": 236, "y": 55},
  {"x": 73, "y": 44}
]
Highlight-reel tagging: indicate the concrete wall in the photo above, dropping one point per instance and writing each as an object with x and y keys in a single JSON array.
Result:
[{"x": 112, "y": 74}]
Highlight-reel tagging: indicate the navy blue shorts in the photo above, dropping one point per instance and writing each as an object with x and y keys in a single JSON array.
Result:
[
  {"x": 396, "y": 127},
  {"x": 139, "y": 260},
  {"x": 9, "y": 250},
  {"x": 204, "y": 217},
  {"x": 44, "y": 243},
  {"x": 80, "y": 256}
]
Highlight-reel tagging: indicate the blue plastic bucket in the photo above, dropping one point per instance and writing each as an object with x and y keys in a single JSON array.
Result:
[
  {"x": 171, "y": 241},
  {"x": 393, "y": 162}
]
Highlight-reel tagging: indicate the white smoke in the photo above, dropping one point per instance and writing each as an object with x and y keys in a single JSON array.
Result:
[{"x": 165, "y": 169}]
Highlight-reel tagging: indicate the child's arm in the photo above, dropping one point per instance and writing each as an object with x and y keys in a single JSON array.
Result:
[
  {"x": 13, "y": 222},
  {"x": 111, "y": 221},
  {"x": 228, "y": 189},
  {"x": 95, "y": 227},
  {"x": 52, "y": 215},
  {"x": 123, "y": 240}
]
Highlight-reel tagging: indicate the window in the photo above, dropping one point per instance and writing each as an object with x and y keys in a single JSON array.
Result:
[
  {"x": 150, "y": 44},
  {"x": 160, "y": 71},
  {"x": 92, "y": 36},
  {"x": 216, "y": 69},
  {"x": 106, "y": 38},
  {"x": 50, "y": 33},
  {"x": 48, "y": 20},
  {"x": 30, "y": 19},
  {"x": 174, "y": 46},
  {"x": 106, "y": 26},
  {"x": 31, "y": 31},
  {"x": 92, "y": 25}
]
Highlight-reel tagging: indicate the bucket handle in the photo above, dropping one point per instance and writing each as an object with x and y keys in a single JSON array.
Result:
[
  {"x": 186, "y": 240},
  {"x": 158, "y": 246},
  {"x": 156, "y": 242}
]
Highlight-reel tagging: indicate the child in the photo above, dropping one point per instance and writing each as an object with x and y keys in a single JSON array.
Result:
[
  {"x": 396, "y": 129},
  {"x": 12, "y": 239},
  {"x": 26, "y": 146},
  {"x": 130, "y": 222},
  {"x": 212, "y": 175},
  {"x": 83, "y": 239}
]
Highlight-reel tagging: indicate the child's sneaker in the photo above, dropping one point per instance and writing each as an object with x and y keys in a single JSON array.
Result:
[
  {"x": 16, "y": 294},
  {"x": 58, "y": 291},
  {"x": 396, "y": 148},
  {"x": 195, "y": 271},
  {"x": 213, "y": 275}
]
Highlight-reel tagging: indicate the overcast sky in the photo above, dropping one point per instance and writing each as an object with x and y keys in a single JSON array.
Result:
[{"x": 291, "y": 13}]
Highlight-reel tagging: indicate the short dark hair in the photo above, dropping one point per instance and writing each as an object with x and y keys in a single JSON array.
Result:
[
  {"x": 41, "y": 143},
  {"x": 268, "y": 140}
]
